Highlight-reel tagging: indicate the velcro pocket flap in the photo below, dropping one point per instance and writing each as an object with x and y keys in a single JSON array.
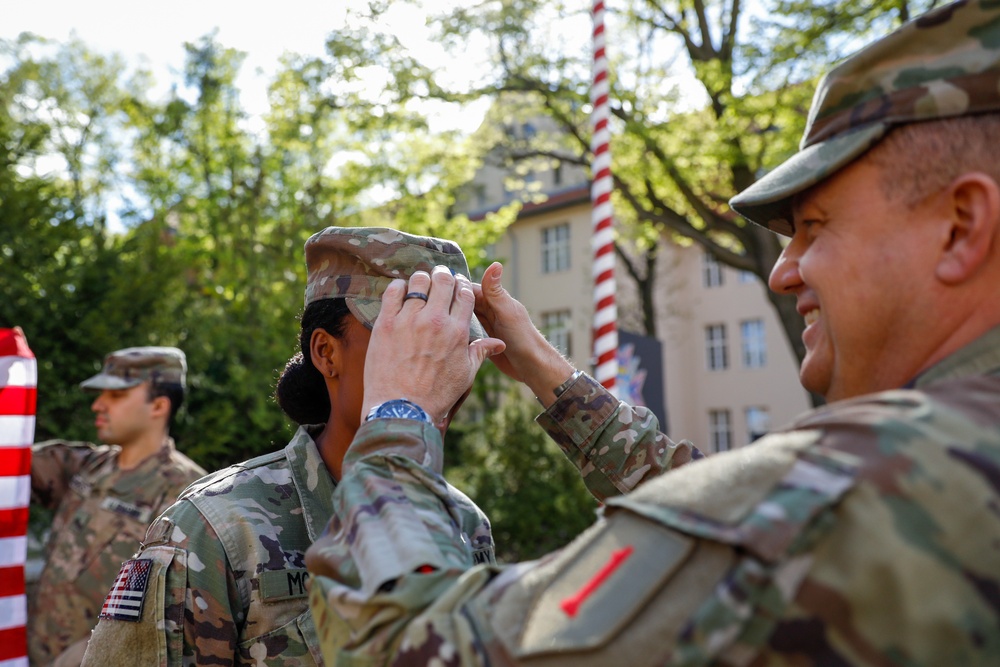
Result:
[
  {"x": 603, "y": 587},
  {"x": 143, "y": 640}
]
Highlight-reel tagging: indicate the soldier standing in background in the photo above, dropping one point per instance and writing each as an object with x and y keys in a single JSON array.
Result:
[
  {"x": 104, "y": 497},
  {"x": 865, "y": 533}
]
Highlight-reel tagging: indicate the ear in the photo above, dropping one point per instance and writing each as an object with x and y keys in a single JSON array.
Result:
[
  {"x": 327, "y": 353},
  {"x": 160, "y": 407},
  {"x": 973, "y": 204}
]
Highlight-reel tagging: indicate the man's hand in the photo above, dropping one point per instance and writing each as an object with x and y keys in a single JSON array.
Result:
[
  {"x": 529, "y": 357},
  {"x": 419, "y": 349}
]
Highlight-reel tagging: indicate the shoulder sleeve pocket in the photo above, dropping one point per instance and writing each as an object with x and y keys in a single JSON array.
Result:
[
  {"x": 603, "y": 587},
  {"x": 141, "y": 622},
  {"x": 620, "y": 594}
]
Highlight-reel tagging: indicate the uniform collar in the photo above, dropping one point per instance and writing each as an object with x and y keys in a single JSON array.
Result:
[
  {"x": 980, "y": 357},
  {"x": 313, "y": 481},
  {"x": 134, "y": 480}
]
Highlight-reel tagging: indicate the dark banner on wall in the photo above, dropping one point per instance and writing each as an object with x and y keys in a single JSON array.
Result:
[{"x": 640, "y": 374}]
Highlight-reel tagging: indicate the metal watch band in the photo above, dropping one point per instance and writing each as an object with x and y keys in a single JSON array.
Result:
[{"x": 561, "y": 389}]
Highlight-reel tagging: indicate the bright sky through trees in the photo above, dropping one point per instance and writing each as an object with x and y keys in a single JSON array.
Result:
[{"x": 154, "y": 35}]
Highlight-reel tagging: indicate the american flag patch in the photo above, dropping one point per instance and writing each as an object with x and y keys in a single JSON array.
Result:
[{"x": 124, "y": 601}]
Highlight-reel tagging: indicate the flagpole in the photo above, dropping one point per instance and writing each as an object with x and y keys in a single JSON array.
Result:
[{"x": 605, "y": 326}]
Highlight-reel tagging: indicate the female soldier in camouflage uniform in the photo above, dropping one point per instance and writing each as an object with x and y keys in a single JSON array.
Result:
[{"x": 220, "y": 578}]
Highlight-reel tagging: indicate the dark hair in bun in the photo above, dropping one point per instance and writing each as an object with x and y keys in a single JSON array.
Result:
[{"x": 301, "y": 390}]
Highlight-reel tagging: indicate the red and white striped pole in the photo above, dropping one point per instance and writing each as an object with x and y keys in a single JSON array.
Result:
[
  {"x": 18, "y": 380},
  {"x": 602, "y": 239}
]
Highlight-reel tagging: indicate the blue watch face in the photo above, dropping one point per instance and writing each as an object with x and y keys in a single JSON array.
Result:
[{"x": 400, "y": 409}]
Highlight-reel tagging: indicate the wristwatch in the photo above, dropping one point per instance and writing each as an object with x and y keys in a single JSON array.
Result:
[
  {"x": 561, "y": 389},
  {"x": 398, "y": 408}
]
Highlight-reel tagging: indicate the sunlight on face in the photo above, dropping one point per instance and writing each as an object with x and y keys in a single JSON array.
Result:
[{"x": 855, "y": 265}]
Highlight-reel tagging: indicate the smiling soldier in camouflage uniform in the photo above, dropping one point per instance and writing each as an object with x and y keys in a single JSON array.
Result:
[
  {"x": 221, "y": 575},
  {"x": 105, "y": 496},
  {"x": 865, "y": 533}
]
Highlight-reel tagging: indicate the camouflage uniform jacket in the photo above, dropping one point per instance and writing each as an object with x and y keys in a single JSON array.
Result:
[
  {"x": 227, "y": 584},
  {"x": 101, "y": 514},
  {"x": 866, "y": 533}
]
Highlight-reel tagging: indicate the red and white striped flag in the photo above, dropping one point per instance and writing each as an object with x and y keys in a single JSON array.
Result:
[{"x": 18, "y": 381}]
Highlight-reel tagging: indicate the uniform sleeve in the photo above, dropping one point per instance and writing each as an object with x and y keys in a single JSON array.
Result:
[
  {"x": 615, "y": 446},
  {"x": 392, "y": 577},
  {"x": 53, "y": 465},
  {"x": 392, "y": 583},
  {"x": 647, "y": 584},
  {"x": 393, "y": 545},
  {"x": 191, "y": 608}
]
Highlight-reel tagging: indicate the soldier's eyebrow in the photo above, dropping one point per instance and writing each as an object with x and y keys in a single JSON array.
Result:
[{"x": 807, "y": 200}]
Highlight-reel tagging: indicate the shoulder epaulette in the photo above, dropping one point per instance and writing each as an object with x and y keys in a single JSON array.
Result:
[{"x": 218, "y": 477}]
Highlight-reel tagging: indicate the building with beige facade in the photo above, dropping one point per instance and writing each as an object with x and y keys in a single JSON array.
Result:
[{"x": 729, "y": 372}]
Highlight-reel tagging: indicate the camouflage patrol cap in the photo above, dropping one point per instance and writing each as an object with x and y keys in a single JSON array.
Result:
[
  {"x": 358, "y": 263},
  {"x": 133, "y": 365},
  {"x": 943, "y": 64}
]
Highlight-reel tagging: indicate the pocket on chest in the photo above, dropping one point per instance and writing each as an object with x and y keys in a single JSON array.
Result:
[
  {"x": 294, "y": 643},
  {"x": 100, "y": 540}
]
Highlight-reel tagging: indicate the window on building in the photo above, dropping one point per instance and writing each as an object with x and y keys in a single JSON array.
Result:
[
  {"x": 557, "y": 174},
  {"x": 747, "y": 277},
  {"x": 556, "y": 327},
  {"x": 754, "y": 344},
  {"x": 479, "y": 191},
  {"x": 715, "y": 347},
  {"x": 555, "y": 248},
  {"x": 758, "y": 422},
  {"x": 720, "y": 429},
  {"x": 711, "y": 270}
]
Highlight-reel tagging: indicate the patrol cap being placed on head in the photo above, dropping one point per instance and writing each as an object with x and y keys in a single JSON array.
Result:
[
  {"x": 358, "y": 263},
  {"x": 131, "y": 366},
  {"x": 943, "y": 64}
]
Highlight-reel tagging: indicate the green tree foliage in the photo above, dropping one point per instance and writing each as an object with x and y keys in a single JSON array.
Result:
[
  {"x": 131, "y": 221},
  {"x": 240, "y": 285},
  {"x": 75, "y": 289}
]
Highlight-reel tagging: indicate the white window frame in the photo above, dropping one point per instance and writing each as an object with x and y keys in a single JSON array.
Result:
[
  {"x": 762, "y": 416},
  {"x": 716, "y": 349},
  {"x": 753, "y": 343},
  {"x": 711, "y": 270},
  {"x": 556, "y": 248},
  {"x": 720, "y": 428},
  {"x": 557, "y": 326}
]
